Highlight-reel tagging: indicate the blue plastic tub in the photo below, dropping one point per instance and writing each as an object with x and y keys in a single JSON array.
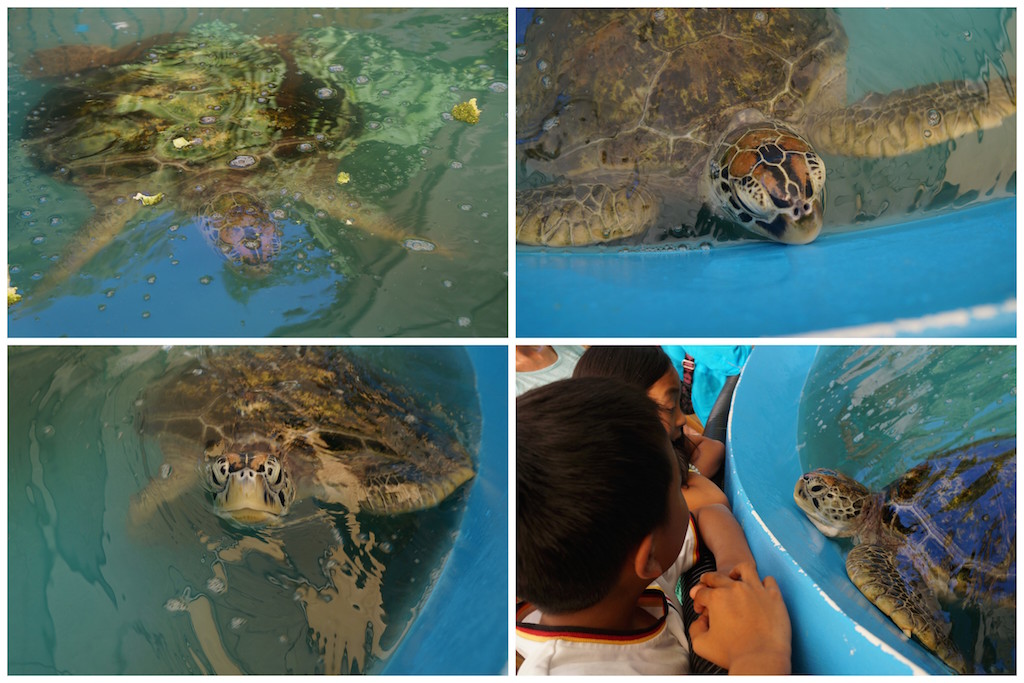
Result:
[
  {"x": 951, "y": 275},
  {"x": 463, "y": 627},
  {"x": 835, "y": 629}
]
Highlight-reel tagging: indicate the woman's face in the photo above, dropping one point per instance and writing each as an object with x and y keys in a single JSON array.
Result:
[{"x": 665, "y": 392}]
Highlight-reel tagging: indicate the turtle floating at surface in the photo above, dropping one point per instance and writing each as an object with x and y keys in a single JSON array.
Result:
[
  {"x": 262, "y": 428},
  {"x": 946, "y": 529},
  {"x": 228, "y": 126},
  {"x": 623, "y": 110},
  {"x": 301, "y": 452}
]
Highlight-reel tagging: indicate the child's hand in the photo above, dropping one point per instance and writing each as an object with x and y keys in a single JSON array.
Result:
[{"x": 743, "y": 625}]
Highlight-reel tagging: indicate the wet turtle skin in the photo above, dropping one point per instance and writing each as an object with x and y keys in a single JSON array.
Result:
[
  {"x": 627, "y": 119},
  {"x": 300, "y": 423},
  {"x": 229, "y": 126},
  {"x": 946, "y": 530}
]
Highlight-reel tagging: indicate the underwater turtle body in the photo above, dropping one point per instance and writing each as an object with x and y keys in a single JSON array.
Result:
[
  {"x": 263, "y": 428},
  {"x": 944, "y": 530},
  {"x": 626, "y": 119},
  {"x": 226, "y": 128}
]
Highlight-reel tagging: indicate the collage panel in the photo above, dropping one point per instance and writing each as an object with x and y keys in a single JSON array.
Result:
[
  {"x": 851, "y": 509},
  {"x": 180, "y": 172},
  {"x": 277, "y": 432},
  {"x": 843, "y": 172},
  {"x": 257, "y": 509}
]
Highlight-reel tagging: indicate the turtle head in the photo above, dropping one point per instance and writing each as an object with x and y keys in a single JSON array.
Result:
[
  {"x": 249, "y": 487},
  {"x": 239, "y": 224},
  {"x": 832, "y": 501},
  {"x": 769, "y": 180}
]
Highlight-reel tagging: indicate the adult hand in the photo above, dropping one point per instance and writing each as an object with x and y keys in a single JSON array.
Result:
[{"x": 743, "y": 624}]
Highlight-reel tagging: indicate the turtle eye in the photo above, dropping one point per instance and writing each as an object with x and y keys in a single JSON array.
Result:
[
  {"x": 219, "y": 472},
  {"x": 273, "y": 470}
]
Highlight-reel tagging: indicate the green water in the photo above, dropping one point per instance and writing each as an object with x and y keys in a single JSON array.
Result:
[
  {"x": 89, "y": 593},
  {"x": 446, "y": 186},
  {"x": 875, "y": 412},
  {"x": 888, "y": 49}
]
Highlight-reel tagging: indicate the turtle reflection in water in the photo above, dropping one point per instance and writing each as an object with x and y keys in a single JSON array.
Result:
[
  {"x": 946, "y": 530},
  {"x": 262, "y": 430},
  {"x": 619, "y": 113},
  {"x": 229, "y": 127}
]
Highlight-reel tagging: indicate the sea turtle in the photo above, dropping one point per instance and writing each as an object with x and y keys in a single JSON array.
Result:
[
  {"x": 296, "y": 455},
  {"x": 227, "y": 128},
  {"x": 946, "y": 530},
  {"x": 260, "y": 428},
  {"x": 630, "y": 118}
]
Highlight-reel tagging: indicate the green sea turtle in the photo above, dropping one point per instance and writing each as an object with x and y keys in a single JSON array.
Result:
[
  {"x": 230, "y": 129},
  {"x": 944, "y": 530},
  {"x": 259, "y": 428},
  {"x": 630, "y": 118},
  {"x": 307, "y": 456}
]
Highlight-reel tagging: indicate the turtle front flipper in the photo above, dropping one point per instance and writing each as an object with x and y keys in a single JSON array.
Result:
[
  {"x": 103, "y": 227},
  {"x": 582, "y": 214},
  {"x": 906, "y": 121},
  {"x": 898, "y": 590}
]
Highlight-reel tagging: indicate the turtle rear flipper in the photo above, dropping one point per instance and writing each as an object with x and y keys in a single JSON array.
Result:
[
  {"x": 906, "y": 121},
  {"x": 898, "y": 590},
  {"x": 65, "y": 60},
  {"x": 583, "y": 215}
]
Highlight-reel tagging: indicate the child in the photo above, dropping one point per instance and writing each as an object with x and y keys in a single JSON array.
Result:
[
  {"x": 651, "y": 369},
  {"x": 603, "y": 534}
]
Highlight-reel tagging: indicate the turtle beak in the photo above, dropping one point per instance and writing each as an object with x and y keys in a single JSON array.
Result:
[
  {"x": 245, "y": 499},
  {"x": 803, "y": 228}
]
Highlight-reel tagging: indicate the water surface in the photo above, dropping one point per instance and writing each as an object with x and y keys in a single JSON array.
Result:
[
  {"x": 330, "y": 590},
  {"x": 873, "y": 413},
  {"x": 445, "y": 187},
  {"x": 888, "y": 49}
]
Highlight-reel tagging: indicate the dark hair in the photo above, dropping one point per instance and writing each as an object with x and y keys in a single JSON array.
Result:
[
  {"x": 591, "y": 482},
  {"x": 641, "y": 366}
]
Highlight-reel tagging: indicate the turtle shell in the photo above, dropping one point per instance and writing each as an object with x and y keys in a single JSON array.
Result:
[
  {"x": 215, "y": 97},
  {"x": 344, "y": 436},
  {"x": 957, "y": 513},
  {"x": 604, "y": 92}
]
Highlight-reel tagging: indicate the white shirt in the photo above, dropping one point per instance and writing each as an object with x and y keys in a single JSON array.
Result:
[
  {"x": 561, "y": 369},
  {"x": 662, "y": 649}
]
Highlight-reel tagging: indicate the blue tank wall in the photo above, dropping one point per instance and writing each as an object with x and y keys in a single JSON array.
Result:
[
  {"x": 951, "y": 276},
  {"x": 463, "y": 628},
  {"x": 835, "y": 629}
]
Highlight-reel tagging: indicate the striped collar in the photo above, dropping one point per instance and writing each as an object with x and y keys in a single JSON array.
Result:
[{"x": 652, "y": 599}]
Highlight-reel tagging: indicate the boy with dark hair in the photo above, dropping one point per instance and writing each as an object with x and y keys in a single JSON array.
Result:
[{"x": 603, "y": 534}]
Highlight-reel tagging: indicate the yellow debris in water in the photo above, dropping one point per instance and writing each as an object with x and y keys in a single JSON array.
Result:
[
  {"x": 343, "y": 178},
  {"x": 181, "y": 143},
  {"x": 149, "y": 200},
  {"x": 12, "y": 293},
  {"x": 466, "y": 111}
]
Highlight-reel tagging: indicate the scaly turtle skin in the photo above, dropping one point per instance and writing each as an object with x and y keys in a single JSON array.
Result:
[
  {"x": 261, "y": 428},
  {"x": 724, "y": 108},
  {"x": 945, "y": 529},
  {"x": 227, "y": 125}
]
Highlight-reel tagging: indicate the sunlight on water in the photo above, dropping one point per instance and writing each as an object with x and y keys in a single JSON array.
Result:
[
  {"x": 342, "y": 131},
  {"x": 101, "y": 589},
  {"x": 874, "y": 413}
]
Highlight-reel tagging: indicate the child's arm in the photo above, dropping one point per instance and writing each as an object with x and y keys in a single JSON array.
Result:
[
  {"x": 723, "y": 536},
  {"x": 708, "y": 454},
  {"x": 743, "y": 625},
  {"x": 699, "y": 491}
]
